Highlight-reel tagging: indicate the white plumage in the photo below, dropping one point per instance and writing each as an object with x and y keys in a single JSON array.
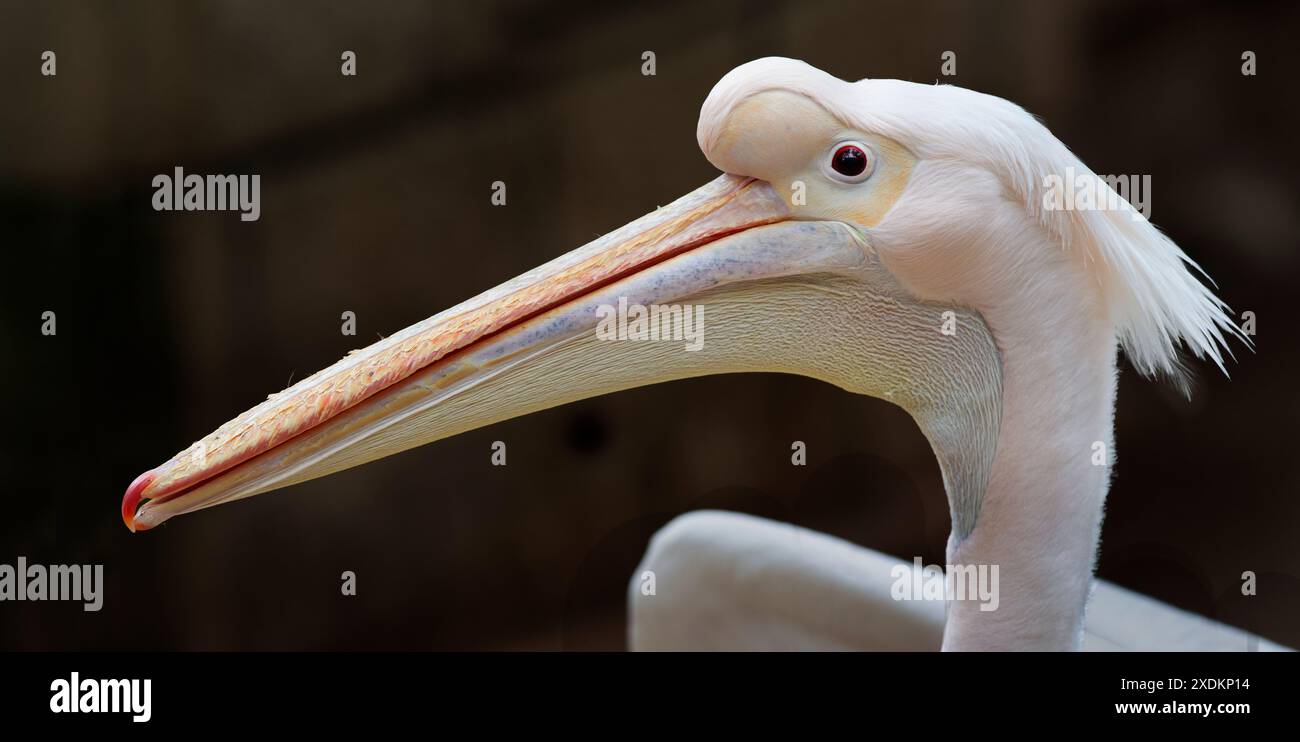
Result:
[{"x": 1155, "y": 303}]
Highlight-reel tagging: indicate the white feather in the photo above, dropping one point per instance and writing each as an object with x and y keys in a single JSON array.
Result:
[{"x": 1153, "y": 300}]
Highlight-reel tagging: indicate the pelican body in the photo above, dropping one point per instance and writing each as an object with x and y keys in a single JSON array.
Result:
[{"x": 894, "y": 239}]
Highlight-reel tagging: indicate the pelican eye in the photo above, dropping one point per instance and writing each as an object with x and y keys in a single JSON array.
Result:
[{"x": 851, "y": 161}]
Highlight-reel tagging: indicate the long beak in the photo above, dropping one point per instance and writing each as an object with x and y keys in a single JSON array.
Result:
[{"x": 511, "y": 350}]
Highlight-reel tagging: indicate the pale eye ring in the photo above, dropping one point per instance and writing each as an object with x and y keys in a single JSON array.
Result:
[{"x": 851, "y": 162}]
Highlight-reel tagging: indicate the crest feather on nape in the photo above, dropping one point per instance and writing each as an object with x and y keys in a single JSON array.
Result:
[{"x": 1155, "y": 301}]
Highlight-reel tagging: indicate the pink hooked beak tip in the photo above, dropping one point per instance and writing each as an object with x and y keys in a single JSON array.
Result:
[{"x": 131, "y": 501}]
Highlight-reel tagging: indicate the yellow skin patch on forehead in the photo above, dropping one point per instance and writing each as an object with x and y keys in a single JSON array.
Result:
[{"x": 787, "y": 139}]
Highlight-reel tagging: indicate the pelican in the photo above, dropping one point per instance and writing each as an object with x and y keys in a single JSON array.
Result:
[{"x": 891, "y": 238}]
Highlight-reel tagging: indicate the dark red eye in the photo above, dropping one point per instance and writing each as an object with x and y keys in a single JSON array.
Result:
[{"x": 849, "y": 160}]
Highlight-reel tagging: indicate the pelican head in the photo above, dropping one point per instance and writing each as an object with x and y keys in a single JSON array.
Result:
[{"x": 891, "y": 238}]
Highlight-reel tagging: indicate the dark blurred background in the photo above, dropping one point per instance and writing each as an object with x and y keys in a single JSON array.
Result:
[{"x": 375, "y": 199}]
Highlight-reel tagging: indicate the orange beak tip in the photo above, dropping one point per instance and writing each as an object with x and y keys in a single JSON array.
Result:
[{"x": 131, "y": 501}]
